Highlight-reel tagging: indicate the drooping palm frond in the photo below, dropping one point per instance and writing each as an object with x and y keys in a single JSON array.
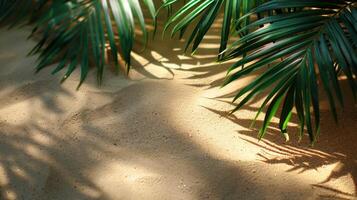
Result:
[
  {"x": 207, "y": 11},
  {"x": 76, "y": 32},
  {"x": 307, "y": 44},
  {"x": 18, "y": 11}
]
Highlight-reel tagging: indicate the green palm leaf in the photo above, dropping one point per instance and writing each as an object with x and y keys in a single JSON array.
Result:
[
  {"x": 305, "y": 41},
  {"x": 207, "y": 11},
  {"x": 76, "y": 32},
  {"x": 17, "y": 11}
]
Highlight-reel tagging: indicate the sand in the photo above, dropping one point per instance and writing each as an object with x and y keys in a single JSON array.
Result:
[{"x": 161, "y": 133}]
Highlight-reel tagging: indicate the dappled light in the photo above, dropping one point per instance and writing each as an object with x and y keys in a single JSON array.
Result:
[
  {"x": 164, "y": 131},
  {"x": 330, "y": 160}
]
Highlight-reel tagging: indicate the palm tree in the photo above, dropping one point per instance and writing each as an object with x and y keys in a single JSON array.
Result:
[{"x": 300, "y": 45}]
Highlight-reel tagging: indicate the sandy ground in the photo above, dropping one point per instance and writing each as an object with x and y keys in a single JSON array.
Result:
[{"x": 162, "y": 134}]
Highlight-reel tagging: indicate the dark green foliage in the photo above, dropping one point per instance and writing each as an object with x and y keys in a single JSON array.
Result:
[
  {"x": 300, "y": 45},
  {"x": 75, "y": 32},
  {"x": 305, "y": 37},
  {"x": 207, "y": 11}
]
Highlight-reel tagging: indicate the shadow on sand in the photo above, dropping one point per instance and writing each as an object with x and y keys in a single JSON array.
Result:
[{"x": 334, "y": 147}]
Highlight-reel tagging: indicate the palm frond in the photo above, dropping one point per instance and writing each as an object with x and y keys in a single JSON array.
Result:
[
  {"x": 206, "y": 12},
  {"x": 19, "y": 11},
  {"x": 306, "y": 44},
  {"x": 76, "y": 32}
]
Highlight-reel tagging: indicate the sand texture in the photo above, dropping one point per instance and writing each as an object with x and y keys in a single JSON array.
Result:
[{"x": 162, "y": 133}]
